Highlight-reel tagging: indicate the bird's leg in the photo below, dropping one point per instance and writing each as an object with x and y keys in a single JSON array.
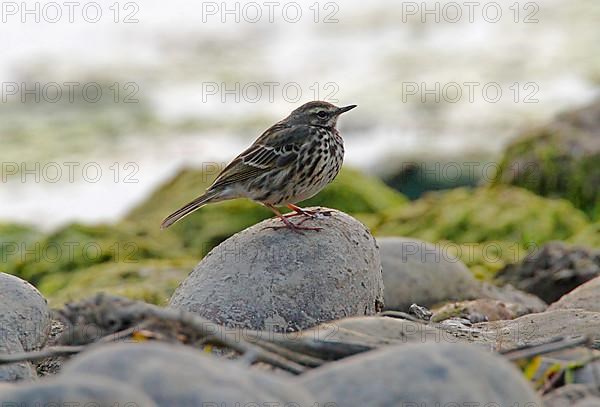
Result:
[
  {"x": 304, "y": 212},
  {"x": 297, "y": 211},
  {"x": 287, "y": 223}
]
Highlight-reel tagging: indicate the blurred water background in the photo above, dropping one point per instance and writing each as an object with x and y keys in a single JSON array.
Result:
[{"x": 170, "y": 58}]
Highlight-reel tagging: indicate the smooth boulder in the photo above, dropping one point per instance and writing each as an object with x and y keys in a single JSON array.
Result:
[
  {"x": 427, "y": 274},
  {"x": 421, "y": 374},
  {"x": 175, "y": 375},
  {"x": 24, "y": 324},
  {"x": 281, "y": 280},
  {"x": 418, "y": 272}
]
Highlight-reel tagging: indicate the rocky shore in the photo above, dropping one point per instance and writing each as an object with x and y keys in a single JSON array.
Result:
[{"x": 473, "y": 295}]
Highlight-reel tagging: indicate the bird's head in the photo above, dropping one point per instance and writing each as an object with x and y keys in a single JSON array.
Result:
[{"x": 318, "y": 113}]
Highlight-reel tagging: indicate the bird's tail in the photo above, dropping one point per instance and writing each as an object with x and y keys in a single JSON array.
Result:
[{"x": 189, "y": 208}]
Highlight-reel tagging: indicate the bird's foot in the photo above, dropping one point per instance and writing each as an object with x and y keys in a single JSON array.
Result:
[{"x": 298, "y": 228}]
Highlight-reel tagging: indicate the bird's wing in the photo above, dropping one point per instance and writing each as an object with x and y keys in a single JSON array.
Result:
[{"x": 277, "y": 147}]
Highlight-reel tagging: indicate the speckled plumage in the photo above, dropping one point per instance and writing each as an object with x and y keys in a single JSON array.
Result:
[{"x": 290, "y": 162}]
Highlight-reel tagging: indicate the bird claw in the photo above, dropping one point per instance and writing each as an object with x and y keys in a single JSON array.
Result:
[{"x": 297, "y": 227}]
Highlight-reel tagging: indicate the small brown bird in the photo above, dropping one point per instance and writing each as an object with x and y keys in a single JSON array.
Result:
[{"x": 290, "y": 162}]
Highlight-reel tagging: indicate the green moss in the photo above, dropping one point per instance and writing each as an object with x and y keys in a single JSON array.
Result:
[
  {"x": 152, "y": 281},
  {"x": 489, "y": 226},
  {"x": 12, "y": 234},
  {"x": 486, "y": 259},
  {"x": 561, "y": 159},
  {"x": 589, "y": 236},
  {"x": 484, "y": 214},
  {"x": 351, "y": 192},
  {"x": 14, "y": 239},
  {"x": 9, "y": 231},
  {"x": 79, "y": 246}
]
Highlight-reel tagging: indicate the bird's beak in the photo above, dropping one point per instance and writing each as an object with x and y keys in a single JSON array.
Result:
[{"x": 345, "y": 109}]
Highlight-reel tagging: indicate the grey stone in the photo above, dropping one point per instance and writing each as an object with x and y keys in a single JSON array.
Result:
[
  {"x": 534, "y": 329},
  {"x": 175, "y": 375},
  {"x": 378, "y": 331},
  {"x": 584, "y": 297},
  {"x": 4, "y": 386},
  {"x": 418, "y": 272},
  {"x": 74, "y": 391},
  {"x": 24, "y": 324},
  {"x": 421, "y": 374},
  {"x": 528, "y": 303},
  {"x": 281, "y": 280}
]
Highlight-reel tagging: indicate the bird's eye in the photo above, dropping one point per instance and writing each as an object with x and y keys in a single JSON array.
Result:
[{"x": 322, "y": 114}]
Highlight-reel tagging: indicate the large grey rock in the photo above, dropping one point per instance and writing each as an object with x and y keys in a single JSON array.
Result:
[
  {"x": 584, "y": 297},
  {"x": 280, "y": 280},
  {"x": 175, "y": 375},
  {"x": 421, "y": 374},
  {"x": 74, "y": 391},
  {"x": 417, "y": 272},
  {"x": 24, "y": 324}
]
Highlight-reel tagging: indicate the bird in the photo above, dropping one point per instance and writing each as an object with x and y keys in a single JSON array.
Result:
[{"x": 290, "y": 162}]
